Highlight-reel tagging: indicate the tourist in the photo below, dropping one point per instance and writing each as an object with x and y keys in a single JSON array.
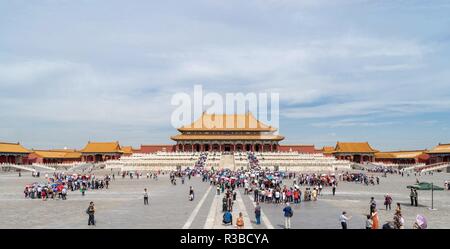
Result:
[
  {"x": 44, "y": 194},
  {"x": 256, "y": 195},
  {"x": 334, "y": 189},
  {"x": 91, "y": 211},
  {"x": 145, "y": 197},
  {"x": 64, "y": 193},
  {"x": 398, "y": 208},
  {"x": 387, "y": 201},
  {"x": 398, "y": 220},
  {"x": 411, "y": 196},
  {"x": 344, "y": 219},
  {"x": 314, "y": 194},
  {"x": 369, "y": 222},
  {"x": 420, "y": 223},
  {"x": 375, "y": 219},
  {"x": 229, "y": 204},
  {"x": 373, "y": 204},
  {"x": 258, "y": 213},
  {"x": 288, "y": 213},
  {"x": 240, "y": 221},
  {"x": 191, "y": 193},
  {"x": 224, "y": 204},
  {"x": 227, "y": 218}
]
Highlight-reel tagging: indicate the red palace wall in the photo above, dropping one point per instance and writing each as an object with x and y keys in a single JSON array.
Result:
[
  {"x": 155, "y": 148},
  {"x": 299, "y": 148}
]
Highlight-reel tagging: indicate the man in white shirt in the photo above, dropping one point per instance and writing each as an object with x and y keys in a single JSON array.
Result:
[{"x": 343, "y": 219}]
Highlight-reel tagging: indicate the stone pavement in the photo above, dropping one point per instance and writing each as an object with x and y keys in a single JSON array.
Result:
[{"x": 121, "y": 206}]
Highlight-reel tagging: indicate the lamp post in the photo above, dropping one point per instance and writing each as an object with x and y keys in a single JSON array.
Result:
[{"x": 432, "y": 197}]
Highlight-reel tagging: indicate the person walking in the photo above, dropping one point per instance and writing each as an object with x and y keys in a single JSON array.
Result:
[
  {"x": 258, "y": 213},
  {"x": 288, "y": 213},
  {"x": 191, "y": 193},
  {"x": 411, "y": 196},
  {"x": 373, "y": 204},
  {"x": 375, "y": 219},
  {"x": 91, "y": 211},
  {"x": 145, "y": 197},
  {"x": 240, "y": 222},
  {"x": 334, "y": 189},
  {"x": 387, "y": 201},
  {"x": 399, "y": 222},
  {"x": 344, "y": 219}
]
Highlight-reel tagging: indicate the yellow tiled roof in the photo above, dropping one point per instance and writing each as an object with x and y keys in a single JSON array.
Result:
[
  {"x": 441, "y": 148},
  {"x": 227, "y": 137},
  {"x": 58, "y": 153},
  {"x": 399, "y": 154},
  {"x": 328, "y": 149},
  {"x": 227, "y": 122},
  {"x": 12, "y": 148},
  {"x": 96, "y": 147},
  {"x": 127, "y": 149},
  {"x": 345, "y": 147}
]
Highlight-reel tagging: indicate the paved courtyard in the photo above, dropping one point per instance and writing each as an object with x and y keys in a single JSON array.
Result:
[{"x": 121, "y": 206}]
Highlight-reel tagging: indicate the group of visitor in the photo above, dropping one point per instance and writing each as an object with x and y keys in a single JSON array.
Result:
[{"x": 58, "y": 185}]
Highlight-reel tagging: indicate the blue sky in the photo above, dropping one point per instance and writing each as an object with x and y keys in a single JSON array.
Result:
[{"x": 350, "y": 70}]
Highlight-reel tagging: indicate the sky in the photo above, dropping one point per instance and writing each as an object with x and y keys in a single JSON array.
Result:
[{"x": 106, "y": 70}]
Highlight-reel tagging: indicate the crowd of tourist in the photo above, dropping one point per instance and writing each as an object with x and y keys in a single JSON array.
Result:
[{"x": 58, "y": 185}]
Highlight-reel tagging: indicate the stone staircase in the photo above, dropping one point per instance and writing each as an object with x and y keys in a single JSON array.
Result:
[
  {"x": 227, "y": 162},
  {"x": 18, "y": 167}
]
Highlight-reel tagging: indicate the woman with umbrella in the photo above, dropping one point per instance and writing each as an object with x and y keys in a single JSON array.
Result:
[{"x": 421, "y": 222}]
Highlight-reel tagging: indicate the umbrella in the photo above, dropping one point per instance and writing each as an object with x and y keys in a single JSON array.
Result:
[{"x": 421, "y": 221}]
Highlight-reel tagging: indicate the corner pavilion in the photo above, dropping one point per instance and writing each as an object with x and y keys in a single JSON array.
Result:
[{"x": 223, "y": 132}]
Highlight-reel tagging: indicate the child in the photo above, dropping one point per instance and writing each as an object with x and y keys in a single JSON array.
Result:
[
  {"x": 240, "y": 222},
  {"x": 369, "y": 222}
]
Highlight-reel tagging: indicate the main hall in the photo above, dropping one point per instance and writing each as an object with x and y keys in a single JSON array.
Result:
[{"x": 229, "y": 133}]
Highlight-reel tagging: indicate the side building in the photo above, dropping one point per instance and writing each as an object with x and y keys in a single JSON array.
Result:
[
  {"x": 439, "y": 154},
  {"x": 358, "y": 152},
  {"x": 402, "y": 157},
  {"x": 54, "y": 156},
  {"x": 101, "y": 151},
  {"x": 13, "y": 153}
]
